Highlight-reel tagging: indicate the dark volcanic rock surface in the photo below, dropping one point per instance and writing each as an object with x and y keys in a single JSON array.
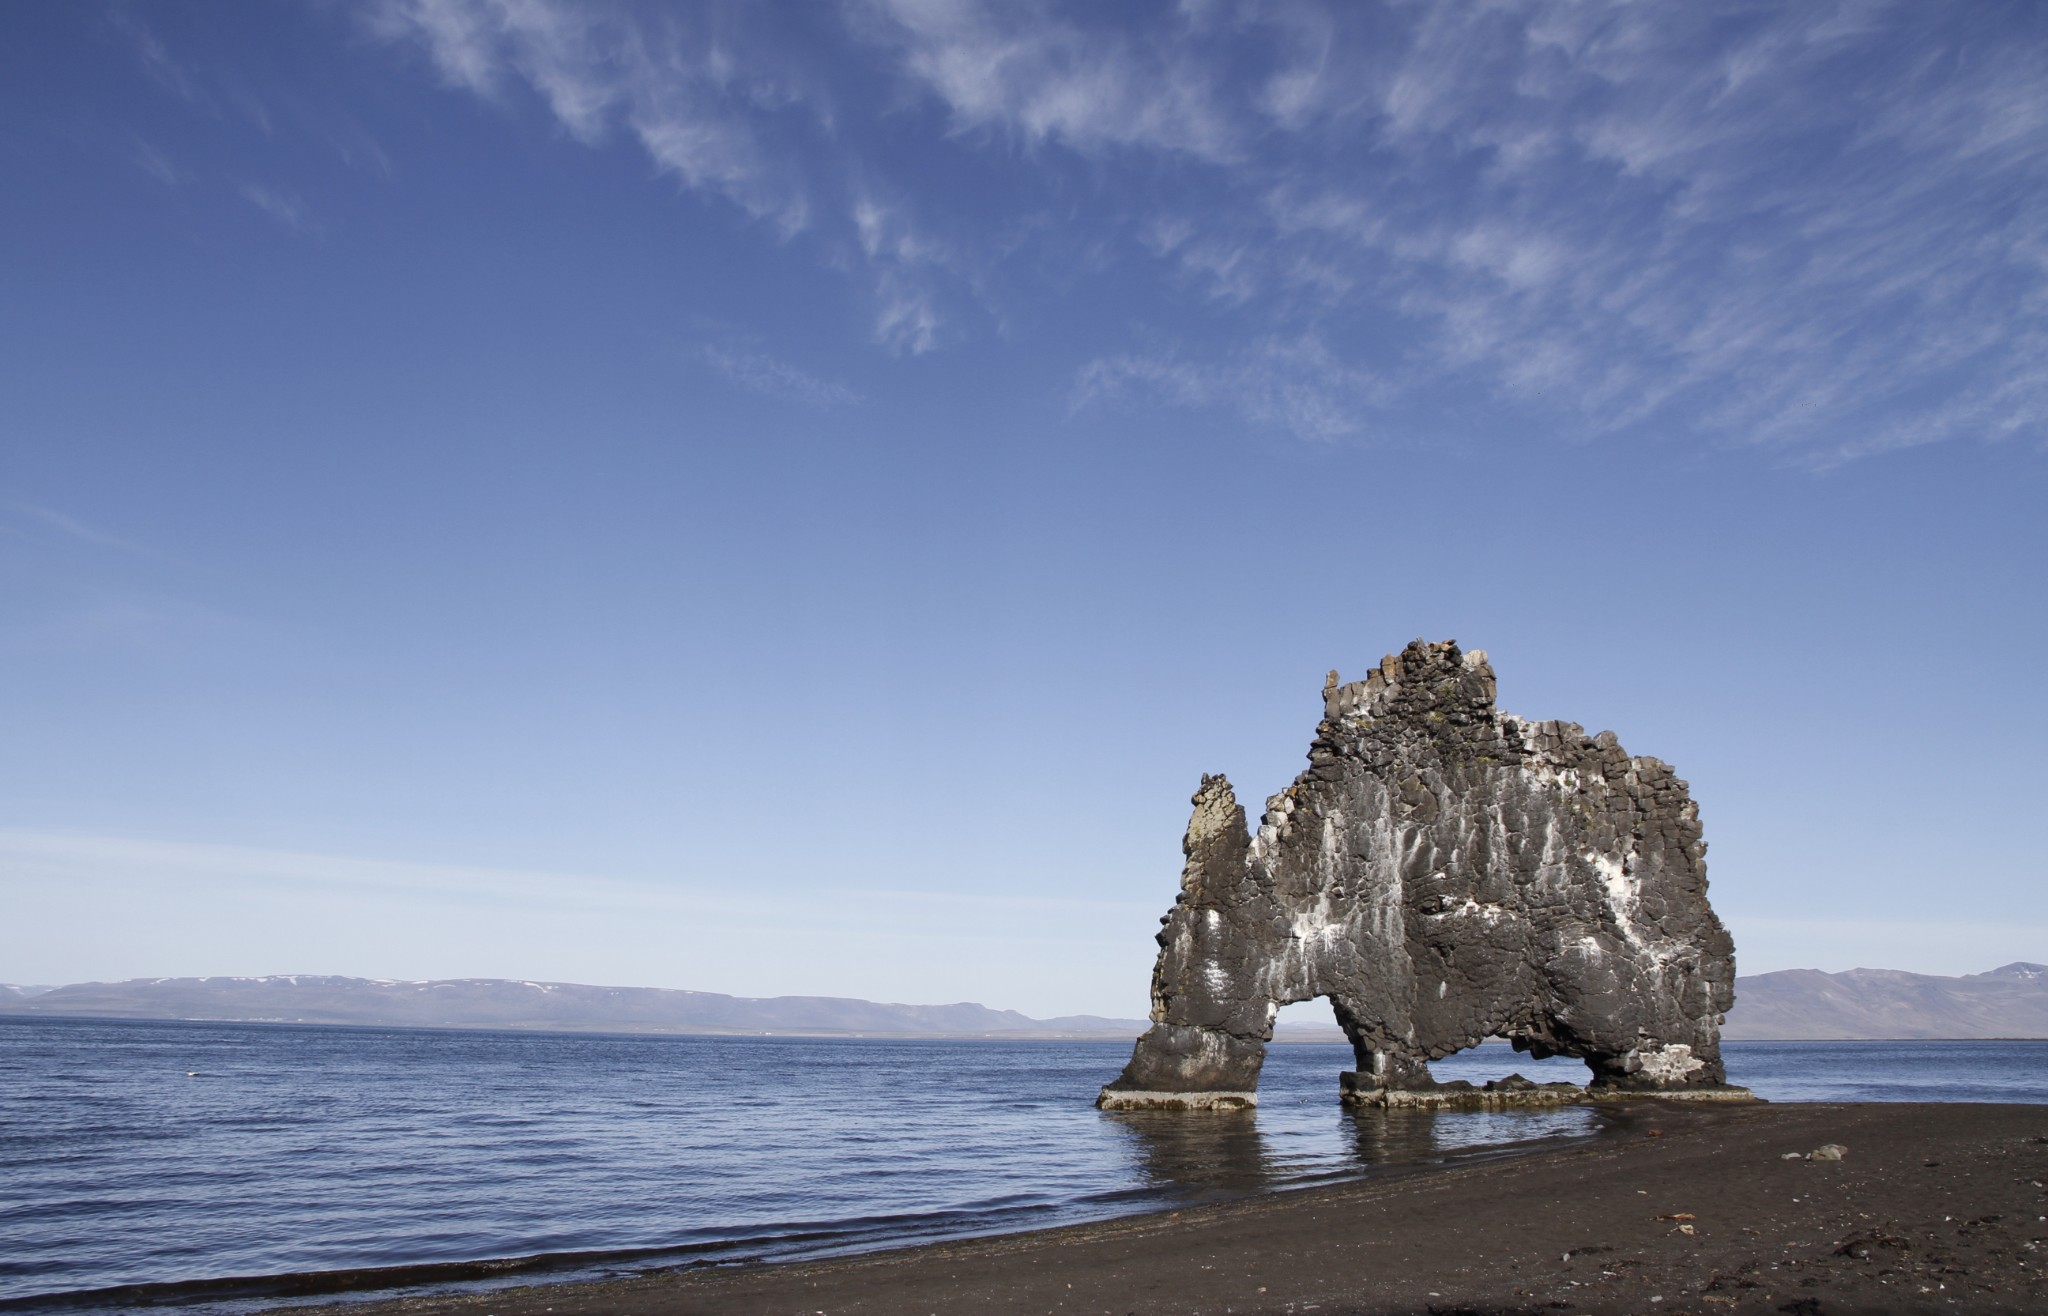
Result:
[{"x": 1442, "y": 872}]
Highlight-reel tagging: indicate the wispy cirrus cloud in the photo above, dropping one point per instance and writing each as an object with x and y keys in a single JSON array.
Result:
[
  {"x": 1813, "y": 227},
  {"x": 1298, "y": 385},
  {"x": 67, "y": 526},
  {"x": 154, "y": 56},
  {"x": 715, "y": 102},
  {"x": 674, "y": 84},
  {"x": 1770, "y": 227},
  {"x": 1026, "y": 68},
  {"x": 909, "y": 268},
  {"x": 287, "y": 208},
  {"x": 157, "y": 164},
  {"x": 757, "y": 372}
]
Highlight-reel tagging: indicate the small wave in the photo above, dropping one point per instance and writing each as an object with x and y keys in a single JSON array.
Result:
[{"x": 345, "y": 1161}]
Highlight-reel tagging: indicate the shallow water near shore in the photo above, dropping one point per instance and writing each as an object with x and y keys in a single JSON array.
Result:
[{"x": 160, "y": 1153}]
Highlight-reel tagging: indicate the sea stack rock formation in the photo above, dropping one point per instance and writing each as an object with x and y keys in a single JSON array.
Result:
[{"x": 1443, "y": 872}]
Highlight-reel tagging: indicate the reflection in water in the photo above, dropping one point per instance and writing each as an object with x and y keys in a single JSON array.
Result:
[
  {"x": 1414, "y": 1137},
  {"x": 1301, "y": 1135},
  {"x": 1398, "y": 1137},
  {"x": 1200, "y": 1155}
]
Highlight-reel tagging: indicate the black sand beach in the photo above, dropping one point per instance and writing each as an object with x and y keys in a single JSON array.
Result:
[{"x": 1933, "y": 1208}]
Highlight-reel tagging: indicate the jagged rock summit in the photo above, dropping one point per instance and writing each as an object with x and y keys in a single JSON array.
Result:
[{"x": 1443, "y": 873}]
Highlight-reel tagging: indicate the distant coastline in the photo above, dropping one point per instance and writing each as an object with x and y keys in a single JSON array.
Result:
[
  {"x": 499, "y": 1004},
  {"x": 2009, "y": 1003},
  {"x": 1860, "y": 1005}
]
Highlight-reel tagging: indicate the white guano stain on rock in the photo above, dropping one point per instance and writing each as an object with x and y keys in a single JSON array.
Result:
[
  {"x": 1667, "y": 1064},
  {"x": 1622, "y": 892}
]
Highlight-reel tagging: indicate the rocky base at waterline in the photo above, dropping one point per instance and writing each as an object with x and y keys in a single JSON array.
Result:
[
  {"x": 1687, "y": 1208},
  {"x": 1362, "y": 1091},
  {"x": 1114, "y": 1098},
  {"x": 1514, "y": 1091},
  {"x": 1510, "y": 1093}
]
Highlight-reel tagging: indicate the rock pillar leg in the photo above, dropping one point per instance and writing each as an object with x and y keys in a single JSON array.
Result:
[
  {"x": 1211, "y": 1017},
  {"x": 1184, "y": 1067},
  {"x": 1380, "y": 1076},
  {"x": 1384, "y": 1066},
  {"x": 1656, "y": 1069}
]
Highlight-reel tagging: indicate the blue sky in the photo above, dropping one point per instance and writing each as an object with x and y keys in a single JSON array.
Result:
[{"x": 783, "y": 498}]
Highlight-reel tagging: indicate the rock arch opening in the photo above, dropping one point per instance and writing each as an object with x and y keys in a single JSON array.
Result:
[{"x": 1464, "y": 1074}]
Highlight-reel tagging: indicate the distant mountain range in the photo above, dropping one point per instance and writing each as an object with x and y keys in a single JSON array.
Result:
[
  {"x": 555, "y": 1006},
  {"x": 1806, "y": 1004},
  {"x": 1795, "y": 1004}
]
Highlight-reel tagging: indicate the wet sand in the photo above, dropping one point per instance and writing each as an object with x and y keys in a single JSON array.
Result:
[{"x": 1933, "y": 1208}]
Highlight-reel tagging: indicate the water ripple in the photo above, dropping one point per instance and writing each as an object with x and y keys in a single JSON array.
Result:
[{"x": 311, "y": 1149}]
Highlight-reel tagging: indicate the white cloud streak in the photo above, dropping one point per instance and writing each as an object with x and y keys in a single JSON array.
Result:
[
  {"x": 711, "y": 102},
  {"x": 1778, "y": 226},
  {"x": 908, "y": 267},
  {"x": 759, "y": 373},
  {"x": 1021, "y": 67},
  {"x": 155, "y": 58},
  {"x": 157, "y": 164},
  {"x": 1297, "y": 385},
  {"x": 1815, "y": 227},
  {"x": 287, "y": 208},
  {"x": 676, "y": 90},
  {"x": 70, "y": 527}
]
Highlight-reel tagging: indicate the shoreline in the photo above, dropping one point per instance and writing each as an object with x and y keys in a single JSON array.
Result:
[
  {"x": 359, "y": 1288},
  {"x": 1935, "y": 1207},
  {"x": 1954, "y": 1143}
]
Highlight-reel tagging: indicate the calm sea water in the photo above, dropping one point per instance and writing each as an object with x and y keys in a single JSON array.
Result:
[{"x": 152, "y": 1153}]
